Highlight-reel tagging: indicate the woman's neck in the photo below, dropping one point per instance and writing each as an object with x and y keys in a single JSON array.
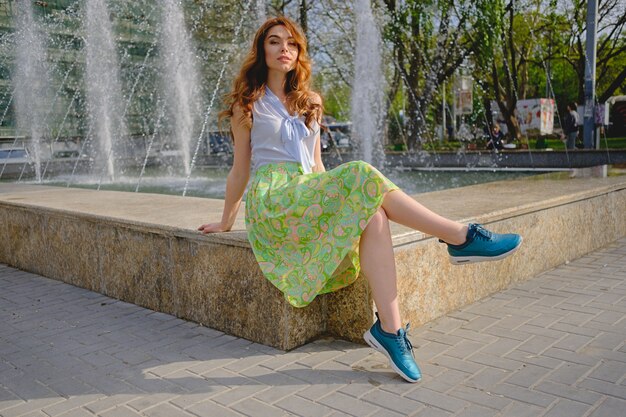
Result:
[{"x": 276, "y": 83}]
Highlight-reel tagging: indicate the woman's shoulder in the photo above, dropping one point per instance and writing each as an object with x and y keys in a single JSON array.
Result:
[{"x": 315, "y": 98}]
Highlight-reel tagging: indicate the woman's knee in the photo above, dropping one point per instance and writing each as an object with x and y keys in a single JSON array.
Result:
[{"x": 378, "y": 220}]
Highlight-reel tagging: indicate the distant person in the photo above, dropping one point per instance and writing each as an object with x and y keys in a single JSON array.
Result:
[
  {"x": 495, "y": 138},
  {"x": 570, "y": 126}
]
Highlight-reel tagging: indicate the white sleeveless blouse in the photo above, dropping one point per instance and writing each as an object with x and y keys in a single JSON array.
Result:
[{"x": 277, "y": 136}]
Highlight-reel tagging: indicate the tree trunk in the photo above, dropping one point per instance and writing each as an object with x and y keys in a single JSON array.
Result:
[{"x": 303, "y": 17}]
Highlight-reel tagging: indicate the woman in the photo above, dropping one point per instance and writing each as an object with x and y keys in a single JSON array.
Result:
[{"x": 313, "y": 231}]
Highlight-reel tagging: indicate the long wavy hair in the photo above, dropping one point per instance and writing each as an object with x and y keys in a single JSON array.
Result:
[{"x": 249, "y": 85}]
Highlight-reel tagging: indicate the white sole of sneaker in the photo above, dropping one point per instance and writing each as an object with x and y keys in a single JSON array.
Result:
[
  {"x": 464, "y": 260},
  {"x": 371, "y": 340}
]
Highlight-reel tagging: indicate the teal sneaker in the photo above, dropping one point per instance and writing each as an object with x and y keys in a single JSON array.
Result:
[
  {"x": 483, "y": 245},
  {"x": 397, "y": 347}
]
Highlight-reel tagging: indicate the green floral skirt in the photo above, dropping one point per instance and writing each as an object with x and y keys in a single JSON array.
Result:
[{"x": 305, "y": 229}]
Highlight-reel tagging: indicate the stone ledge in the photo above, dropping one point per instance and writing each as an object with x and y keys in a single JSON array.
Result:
[{"x": 144, "y": 249}]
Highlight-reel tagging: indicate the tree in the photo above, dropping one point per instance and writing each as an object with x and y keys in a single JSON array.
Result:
[
  {"x": 512, "y": 34},
  {"x": 430, "y": 42},
  {"x": 280, "y": 7},
  {"x": 611, "y": 49}
]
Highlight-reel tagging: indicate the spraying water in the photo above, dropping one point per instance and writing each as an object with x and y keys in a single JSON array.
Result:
[
  {"x": 31, "y": 81},
  {"x": 102, "y": 82},
  {"x": 180, "y": 80},
  {"x": 367, "y": 89}
]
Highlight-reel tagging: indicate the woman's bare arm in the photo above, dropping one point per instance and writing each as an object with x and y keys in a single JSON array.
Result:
[
  {"x": 237, "y": 177},
  {"x": 317, "y": 155}
]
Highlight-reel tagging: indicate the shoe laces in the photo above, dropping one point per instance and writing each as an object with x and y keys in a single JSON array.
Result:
[
  {"x": 404, "y": 342},
  {"x": 481, "y": 232}
]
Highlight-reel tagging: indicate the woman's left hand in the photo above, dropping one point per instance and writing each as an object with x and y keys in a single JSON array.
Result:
[{"x": 213, "y": 228}]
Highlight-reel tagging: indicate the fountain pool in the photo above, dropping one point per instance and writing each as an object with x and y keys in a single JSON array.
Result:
[{"x": 211, "y": 182}]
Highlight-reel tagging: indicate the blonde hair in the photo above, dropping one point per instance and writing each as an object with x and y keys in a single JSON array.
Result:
[{"x": 249, "y": 85}]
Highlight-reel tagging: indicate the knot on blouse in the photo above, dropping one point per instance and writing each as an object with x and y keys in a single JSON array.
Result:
[
  {"x": 293, "y": 128},
  {"x": 292, "y": 132}
]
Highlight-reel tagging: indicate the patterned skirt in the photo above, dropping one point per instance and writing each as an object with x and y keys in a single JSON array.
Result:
[{"x": 305, "y": 229}]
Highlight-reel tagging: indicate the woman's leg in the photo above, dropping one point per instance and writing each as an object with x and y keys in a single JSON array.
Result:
[
  {"x": 402, "y": 209},
  {"x": 378, "y": 266}
]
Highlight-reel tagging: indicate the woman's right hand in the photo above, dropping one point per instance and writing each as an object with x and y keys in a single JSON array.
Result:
[{"x": 213, "y": 228}]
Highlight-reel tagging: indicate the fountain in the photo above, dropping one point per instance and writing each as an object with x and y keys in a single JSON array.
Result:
[
  {"x": 368, "y": 85},
  {"x": 132, "y": 89},
  {"x": 102, "y": 82},
  {"x": 180, "y": 79},
  {"x": 31, "y": 81}
]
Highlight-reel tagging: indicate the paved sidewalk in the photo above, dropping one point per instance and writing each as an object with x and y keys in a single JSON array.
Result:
[{"x": 552, "y": 346}]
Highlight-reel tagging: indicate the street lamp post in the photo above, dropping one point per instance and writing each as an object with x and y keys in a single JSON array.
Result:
[{"x": 590, "y": 75}]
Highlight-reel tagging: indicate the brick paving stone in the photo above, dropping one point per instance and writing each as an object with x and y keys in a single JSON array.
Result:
[
  {"x": 256, "y": 408},
  {"x": 302, "y": 407},
  {"x": 528, "y": 376},
  {"x": 522, "y": 394},
  {"x": 568, "y": 356},
  {"x": 120, "y": 411},
  {"x": 464, "y": 348},
  {"x": 610, "y": 407},
  {"x": 431, "y": 336},
  {"x": 190, "y": 399},
  {"x": 567, "y": 408},
  {"x": 569, "y": 373},
  {"x": 430, "y": 411},
  {"x": 107, "y": 403},
  {"x": 568, "y": 392},
  {"x": 534, "y": 359},
  {"x": 480, "y": 323},
  {"x": 610, "y": 371},
  {"x": 435, "y": 399},
  {"x": 37, "y": 413},
  {"x": 573, "y": 342},
  {"x": 165, "y": 410},
  {"x": 209, "y": 408},
  {"x": 347, "y": 404},
  {"x": 603, "y": 387},
  {"x": 481, "y": 397},
  {"x": 500, "y": 347},
  {"x": 459, "y": 365},
  {"x": 495, "y": 361},
  {"x": 36, "y": 404},
  {"x": 277, "y": 393},
  {"x": 389, "y": 401},
  {"x": 519, "y": 409},
  {"x": 145, "y": 401},
  {"x": 429, "y": 350},
  {"x": 78, "y": 412},
  {"x": 71, "y": 403},
  {"x": 445, "y": 381},
  {"x": 237, "y": 394},
  {"x": 360, "y": 389},
  {"x": 486, "y": 378},
  {"x": 476, "y": 411},
  {"x": 316, "y": 391},
  {"x": 537, "y": 344},
  {"x": 475, "y": 336}
]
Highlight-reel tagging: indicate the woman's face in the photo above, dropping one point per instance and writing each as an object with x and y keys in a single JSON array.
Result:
[{"x": 281, "y": 50}]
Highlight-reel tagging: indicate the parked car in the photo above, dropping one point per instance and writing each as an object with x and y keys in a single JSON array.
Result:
[
  {"x": 336, "y": 135},
  {"x": 219, "y": 143}
]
